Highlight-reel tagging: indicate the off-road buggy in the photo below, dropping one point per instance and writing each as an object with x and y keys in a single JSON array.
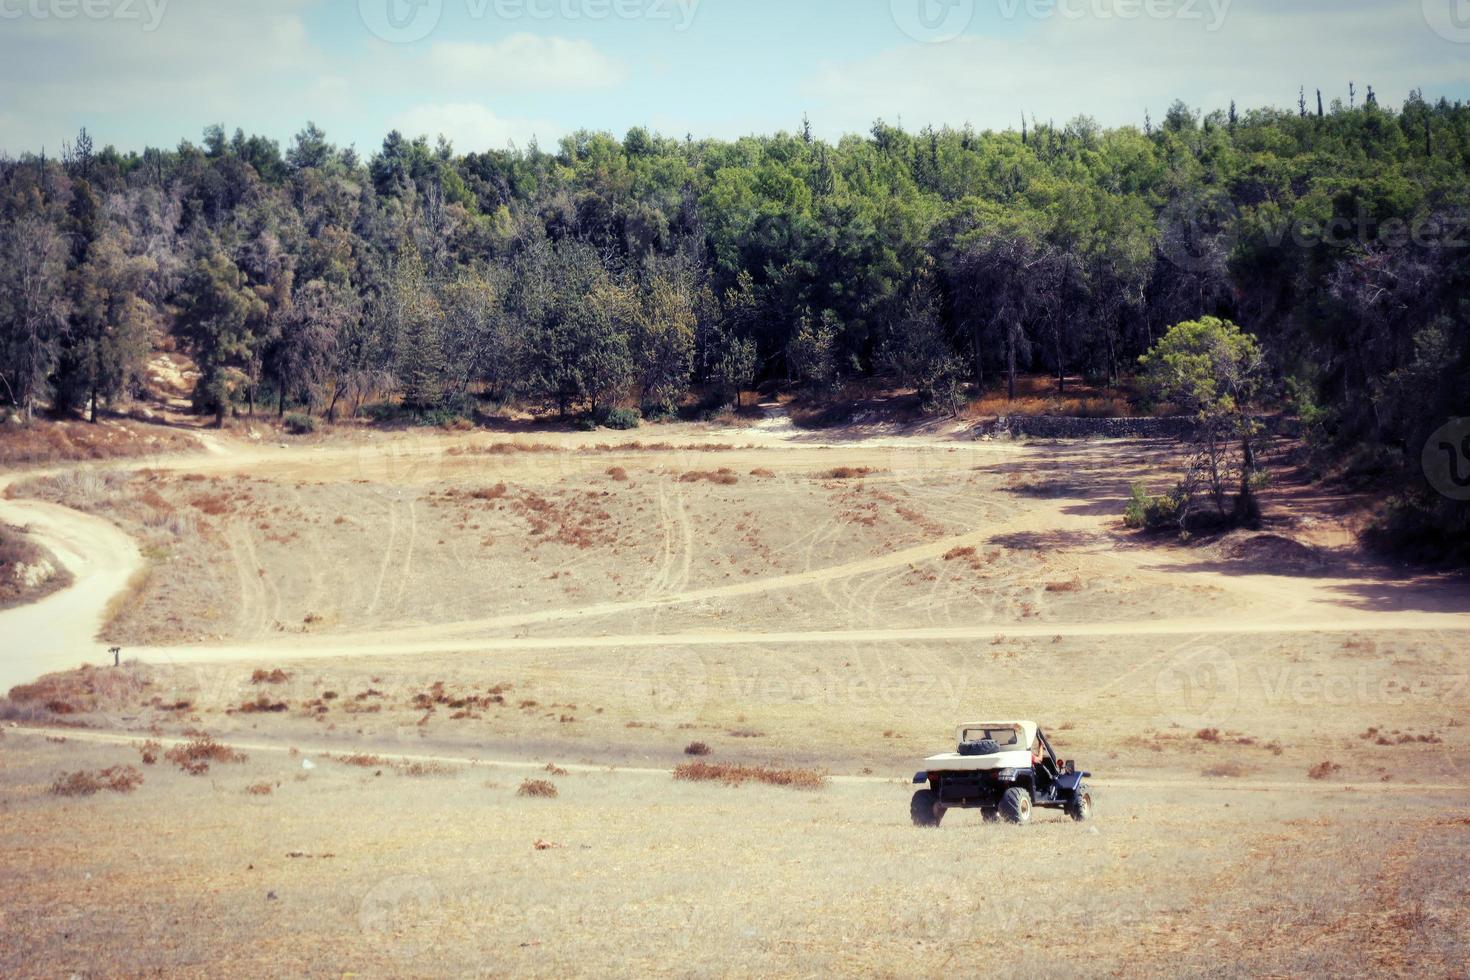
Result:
[{"x": 1004, "y": 769}]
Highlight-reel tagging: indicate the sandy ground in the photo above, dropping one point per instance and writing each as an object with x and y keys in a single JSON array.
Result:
[{"x": 476, "y": 607}]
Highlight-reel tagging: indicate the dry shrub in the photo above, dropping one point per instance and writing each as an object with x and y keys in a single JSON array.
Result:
[
  {"x": 503, "y": 449},
  {"x": 490, "y": 493},
  {"x": 150, "y": 751},
  {"x": 555, "y": 769},
  {"x": 118, "y": 779},
  {"x": 848, "y": 473},
  {"x": 763, "y": 473},
  {"x": 277, "y": 676},
  {"x": 86, "y": 689},
  {"x": 733, "y": 774},
  {"x": 127, "y": 599},
  {"x": 1323, "y": 769},
  {"x": 195, "y": 755},
  {"x": 1208, "y": 734},
  {"x": 538, "y": 788},
  {"x": 745, "y": 733},
  {"x": 260, "y": 789},
  {"x": 420, "y": 769},
  {"x": 44, "y": 441},
  {"x": 364, "y": 761},
  {"x": 723, "y": 477},
  {"x": 213, "y": 504},
  {"x": 697, "y": 748},
  {"x": 955, "y": 554},
  {"x": 1075, "y": 585},
  {"x": 1037, "y": 395},
  {"x": 617, "y": 474},
  {"x": 262, "y": 705}
]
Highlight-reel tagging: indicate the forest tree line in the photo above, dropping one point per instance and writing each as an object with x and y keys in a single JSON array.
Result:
[{"x": 639, "y": 270}]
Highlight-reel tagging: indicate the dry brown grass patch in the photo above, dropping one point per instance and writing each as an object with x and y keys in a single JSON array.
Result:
[
  {"x": 848, "y": 473},
  {"x": 724, "y": 477},
  {"x": 538, "y": 788},
  {"x": 1323, "y": 770},
  {"x": 194, "y": 756},
  {"x": 734, "y": 774},
  {"x": 277, "y": 676},
  {"x": 118, "y": 779},
  {"x": 697, "y": 748}
]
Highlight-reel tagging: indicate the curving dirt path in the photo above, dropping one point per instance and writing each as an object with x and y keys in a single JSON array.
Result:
[{"x": 60, "y": 632}]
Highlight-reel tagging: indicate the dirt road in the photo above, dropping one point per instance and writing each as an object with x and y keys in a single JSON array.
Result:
[{"x": 61, "y": 631}]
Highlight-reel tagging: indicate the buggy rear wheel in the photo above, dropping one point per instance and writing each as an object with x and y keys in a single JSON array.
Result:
[
  {"x": 925, "y": 809},
  {"x": 1079, "y": 807},
  {"x": 1015, "y": 806}
]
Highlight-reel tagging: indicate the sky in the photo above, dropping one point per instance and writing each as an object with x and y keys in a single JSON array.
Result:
[{"x": 487, "y": 73}]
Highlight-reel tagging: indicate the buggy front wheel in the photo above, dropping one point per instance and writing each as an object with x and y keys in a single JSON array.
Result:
[
  {"x": 925, "y": 809},
  {"x": 1015, "y": 806},
  {"x": 1079, "y": 807}
]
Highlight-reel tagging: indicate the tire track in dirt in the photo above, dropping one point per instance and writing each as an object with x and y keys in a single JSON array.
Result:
[{"x": 900, "y": 781}]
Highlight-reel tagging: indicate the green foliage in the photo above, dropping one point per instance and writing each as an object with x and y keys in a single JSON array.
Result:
[
  {"x": 603, "y": 271},
  {"x": 618, "y": 418},
  {"x": 1214, "y": 370},
  {"x": 299, "y": 424},
  {"x": 1149, "y": 512}
]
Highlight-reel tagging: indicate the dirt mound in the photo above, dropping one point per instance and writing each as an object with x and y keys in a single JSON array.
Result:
[{"x": 1272, "y": 553}]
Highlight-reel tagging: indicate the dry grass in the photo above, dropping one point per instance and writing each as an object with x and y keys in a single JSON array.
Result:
[
  {"x": 262, "y": 705},
  {"x": 45, "y": 441},
  {"x": 195, "y": 756},
  {"x": 277, "y": 676},
  {"x": 1324, "y": 770},
  {"x": 849, "y": 473},
  {"x": 118, "y": 779},
  {"x": 1037, "y": 395},
  {"x": 697, "y": 748},
  {"x": 722, "y": 477},
  {"x": 87, "y": 689},
  {"x": 734, "y": 774},
  {"x": 538, "y": 788}
]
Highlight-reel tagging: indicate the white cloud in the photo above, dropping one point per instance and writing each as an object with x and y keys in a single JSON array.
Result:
[
  {"x": 472, "y": 127},
  {"x": 525, "y": 62},
  {"x": 1114, "y": 69}
]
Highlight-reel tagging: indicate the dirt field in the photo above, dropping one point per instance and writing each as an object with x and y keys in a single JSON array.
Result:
[{"x": 398, "y": 631}]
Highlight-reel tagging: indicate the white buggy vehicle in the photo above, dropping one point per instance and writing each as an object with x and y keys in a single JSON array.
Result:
[{"x": 1004, "y": 769}]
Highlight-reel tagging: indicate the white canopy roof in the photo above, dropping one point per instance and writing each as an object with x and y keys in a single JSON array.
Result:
[{"x": 1026, "y": 728}]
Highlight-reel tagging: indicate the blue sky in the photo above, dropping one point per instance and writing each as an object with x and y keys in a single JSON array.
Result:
[{"x": 486, "y": 72}]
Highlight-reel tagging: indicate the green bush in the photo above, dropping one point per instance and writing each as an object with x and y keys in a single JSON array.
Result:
[
  {"x": 618, "y": 418},
  {"x": 299, "y": 424},
  {"x": 1151, "y": 513}
]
